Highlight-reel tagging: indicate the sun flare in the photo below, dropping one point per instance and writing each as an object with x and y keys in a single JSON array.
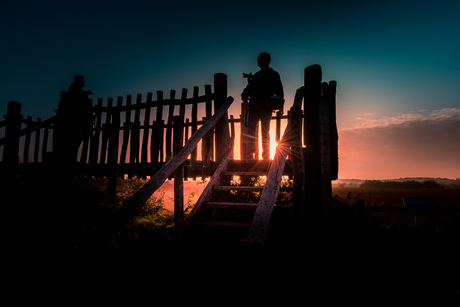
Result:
[{"x": 273, "y": 145}]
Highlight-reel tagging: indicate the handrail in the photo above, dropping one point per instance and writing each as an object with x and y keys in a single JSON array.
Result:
[
  {"x": 206, "y": 194},
  {"x": 140, "y": 197},
  {"x": 259, "y": 226}
]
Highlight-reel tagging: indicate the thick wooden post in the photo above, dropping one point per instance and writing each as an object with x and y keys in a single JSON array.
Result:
[
  {"x": 325, "y": 152},
  {"x": 221, "y": 129},
  {"x": 298, "y": 161},
  {"x": 331, "y": 98},
  {"x": 178, "y": 126},
  {"x": 95, "y": 139},
  {"x": 114, "y": 140},
  {"x": 12, "y": 129},
  {"x": 313, "y": 179}
]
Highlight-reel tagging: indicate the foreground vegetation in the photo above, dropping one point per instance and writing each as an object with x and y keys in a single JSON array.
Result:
[
  {"x": 49, "y": 221},
  {"x": 59, "y": 219}
]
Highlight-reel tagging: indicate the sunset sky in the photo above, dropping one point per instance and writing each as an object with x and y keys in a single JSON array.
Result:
[{"x": 397, "y": 64}]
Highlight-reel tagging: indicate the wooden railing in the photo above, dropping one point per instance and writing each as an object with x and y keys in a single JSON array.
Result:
[
  {"x": 289, "y": 145},
  {"x": 128, "y": 138}
]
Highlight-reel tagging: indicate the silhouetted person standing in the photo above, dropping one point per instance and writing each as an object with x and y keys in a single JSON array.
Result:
[
  {"x": 263, "y": 94},
  {"x": 74, "y": 121}
]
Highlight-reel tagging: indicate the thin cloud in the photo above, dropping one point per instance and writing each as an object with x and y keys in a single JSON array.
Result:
[
  {"x": 370, "y": 120},
  {"x": 423, "y": 143}
]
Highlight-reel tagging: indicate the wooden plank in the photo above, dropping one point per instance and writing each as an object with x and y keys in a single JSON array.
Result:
[
  {"x": 186, "y": 126},
  {"x": 298, "y": 165},
  {"x": 126, "y": 130},
  {"x": 45, "y": 143},
  {"x": 95, "y": 139},
  {"x": 84, "y": 149},
  {"x": 143, "y": 194},
  {"x": 135, "y": 133},
  {"x": 25, "y": 154},
  {"x": 156, "y": 141},
  {"x": 114, "y": 135},
  {"x": 221, "y": 129},
  {"x": 248, "y": 188},
  {"x": 168, "y": 140},
  {"x": 313, "y": 175},
  {"x": 259, "y": 227},
  {"x": 106, "y": 131},
  {"x": 208, "y": 105},
  {"x": 159, "y": 120},
  {"x": 230, "y": 205},
  {"x": 146, "y": 137},
  {"x": 165, "y": 102},
  {"x": 178, "y": 177},
  {"x": 194, "y": 116},
  {"x": 37, "y": 141},
  {"x": 224, "y": 224},
  {"x": 247, "y": 173},
  {"x": 208, "y": 150},
  {"x": 232, "y": 130},
  {"x": 325, "y": 156},
  {"x": 114, "y": 140},
  {"x": 334, "y": 137},
  {"x": 207, "y": 192},
  {"x": 183, "y": 99}
]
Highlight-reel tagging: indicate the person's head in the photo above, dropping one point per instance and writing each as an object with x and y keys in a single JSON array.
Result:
[
  {"x": 79, "y": 80},
  {"x": 264, "y": 60}
]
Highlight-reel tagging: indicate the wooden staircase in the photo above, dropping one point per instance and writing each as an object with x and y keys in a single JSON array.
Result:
[{"x": 225, "y": 212}]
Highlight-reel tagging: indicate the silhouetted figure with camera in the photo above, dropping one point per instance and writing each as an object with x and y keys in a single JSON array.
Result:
[
  {"x": 74, "y": 122},
  {"x": 261, "y": 97}
]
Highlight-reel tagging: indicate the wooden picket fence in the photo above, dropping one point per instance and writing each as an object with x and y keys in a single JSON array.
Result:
[{"x": 130, "y": 137}]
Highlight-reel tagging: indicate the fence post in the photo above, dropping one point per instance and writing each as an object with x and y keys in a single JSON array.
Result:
[
  {"x": 12, "y": 130},
  {"x": 331, "y": 98},
  {"x": 313, "y": 178},
  {"x": 114, "y": 140},
  {"x": 298, "y": 163},
  {"x": 221, "y": 130},
  {"x": 178, "y": 127}
]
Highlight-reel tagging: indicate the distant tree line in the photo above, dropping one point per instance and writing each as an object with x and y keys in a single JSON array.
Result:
[{"x": 409, "y": 184}]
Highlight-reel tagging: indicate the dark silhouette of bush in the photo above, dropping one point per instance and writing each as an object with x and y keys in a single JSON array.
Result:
[{"x": 408, "y": 184}]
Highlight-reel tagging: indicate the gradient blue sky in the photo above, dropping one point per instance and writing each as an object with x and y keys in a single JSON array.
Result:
[{"x": 390, "y": 58}]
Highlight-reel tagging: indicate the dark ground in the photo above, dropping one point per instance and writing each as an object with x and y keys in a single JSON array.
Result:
[{"x": 355, "y": 257}]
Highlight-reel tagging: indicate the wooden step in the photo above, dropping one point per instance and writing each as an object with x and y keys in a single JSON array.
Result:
[
  {"x": 249, "y": 165},
  {"x": 224, "y": 224},
  {"x": 236, "y": 205},
  {"x": 246, "y": 173},
  {"x": 255, "y": 166},
  {"x": 231, "y": 205},
  {"x": 244, "y": 188}
]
